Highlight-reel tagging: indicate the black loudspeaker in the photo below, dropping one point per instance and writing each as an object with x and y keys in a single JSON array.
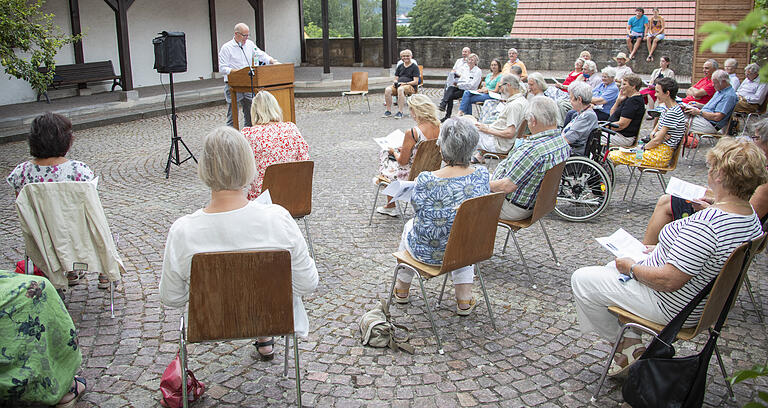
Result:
[{"x": 170, "y": 52}]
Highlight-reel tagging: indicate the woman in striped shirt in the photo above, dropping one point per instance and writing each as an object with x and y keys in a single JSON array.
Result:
[
  {"x": 691, "y": 252},
  {"x": 667, "y": 134}
]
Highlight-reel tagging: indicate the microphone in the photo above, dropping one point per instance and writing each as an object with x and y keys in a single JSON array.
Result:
[{"x": 250, "y": 67}]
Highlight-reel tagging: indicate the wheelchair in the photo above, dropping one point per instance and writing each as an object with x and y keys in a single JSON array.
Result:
[{"x": 587, "y": 181}]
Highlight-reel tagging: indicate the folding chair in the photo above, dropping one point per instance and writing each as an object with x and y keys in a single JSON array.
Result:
[
  {"x": 748, "y": 284},
  {"x": 65, "y": 228},
  {"x": 746, "y": 116},
  {"x": 358, "y": 86},
  {"x": 545, "y": 203},
  {"x": 730, "y": 276},
  {"x": 240, "y": 295},
  {"x": 470, "y": 241},
  {"x": 659, "y": 171},
  {"x": 427, "y": 158},
  {"x": 290, "y": 186},
  {"x": 700, "y": 136}
]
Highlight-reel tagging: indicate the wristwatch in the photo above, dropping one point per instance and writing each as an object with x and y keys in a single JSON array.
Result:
[{"x": 631, "y": 271}]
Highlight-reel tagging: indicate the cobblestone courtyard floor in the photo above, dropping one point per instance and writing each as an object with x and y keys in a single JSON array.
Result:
[{"x": 536, "y": 358}]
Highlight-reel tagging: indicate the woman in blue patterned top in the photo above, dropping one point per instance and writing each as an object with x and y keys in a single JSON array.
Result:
[{"x": 435, "y": 199}]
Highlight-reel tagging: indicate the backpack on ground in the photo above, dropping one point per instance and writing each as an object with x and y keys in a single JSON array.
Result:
[{"x": 377, "y": 330}]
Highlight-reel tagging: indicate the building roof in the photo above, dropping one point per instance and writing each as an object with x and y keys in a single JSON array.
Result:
[{"x": 597, "y": 18}]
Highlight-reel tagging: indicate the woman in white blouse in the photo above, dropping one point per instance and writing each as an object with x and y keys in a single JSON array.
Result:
[{"x": 229, "y": 223}]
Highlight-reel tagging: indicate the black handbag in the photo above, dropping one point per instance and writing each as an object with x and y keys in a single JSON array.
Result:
[{"x": 658, "y": 379}]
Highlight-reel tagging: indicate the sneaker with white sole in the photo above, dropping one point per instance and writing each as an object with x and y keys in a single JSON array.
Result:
[
  {"x": 386, "y": 114},
  {"x": 399, "y": 115},
  {"x": 391, "y": 211}
]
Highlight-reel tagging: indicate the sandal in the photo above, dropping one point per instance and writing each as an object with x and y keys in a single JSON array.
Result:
[
  {"x": 74, "y": 390},
  {"x": 465, "y": 312},
  {"x": 401, "y": 299},
  {"x": 73, "y": 277},
  {"x": 103, "y": 281},
  {"x": 616, "y": 370},
  {"x": 268, "y": 356}
]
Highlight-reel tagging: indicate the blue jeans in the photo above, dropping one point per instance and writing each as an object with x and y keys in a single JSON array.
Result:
[{"x": 468, "y": 99}]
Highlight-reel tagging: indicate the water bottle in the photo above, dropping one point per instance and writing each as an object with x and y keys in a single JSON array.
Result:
[{"x": 639, "y": 152}]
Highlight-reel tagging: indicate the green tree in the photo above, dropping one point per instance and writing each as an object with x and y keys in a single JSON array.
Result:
[
  {"x": 340, "y": 17},
  {"x": 403, "y": 31},
  {"x": 436, "y": 17},
  {"x": 750, "y": 29},
  {"x": 502, "y": 17},
  {"x": 468, "y": 26},
  {"x": 28, "y": 40}
]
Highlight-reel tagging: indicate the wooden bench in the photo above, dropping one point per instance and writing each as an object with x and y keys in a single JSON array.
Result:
[{"x": 74, "y": 74}]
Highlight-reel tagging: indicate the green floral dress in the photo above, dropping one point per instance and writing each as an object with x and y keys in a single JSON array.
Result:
[{"x": 39, "y": 354}]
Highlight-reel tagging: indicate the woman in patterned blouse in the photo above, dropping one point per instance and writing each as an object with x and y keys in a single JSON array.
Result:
[
  {"x": 435, "y": 199},
  {"x": 273, "y": 141}
]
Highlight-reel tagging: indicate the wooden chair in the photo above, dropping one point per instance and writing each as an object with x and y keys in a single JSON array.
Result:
[
  {"x": 470, "y": 241},
  {"x": 545, "y": 203},
  {"x": 290, "y": 186},
  {"x": 240, "y": 295},
  {"x": 358, "y": 86},
  {"x": 427, "y": 158},
  {"x": 659, "y": 171},
  {"x": 731, "y": 275},
  {"x": 748, "y": 284}
]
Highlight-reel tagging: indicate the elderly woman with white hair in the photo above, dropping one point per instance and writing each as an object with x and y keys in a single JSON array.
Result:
[
  {"x": 577, "y": 130},
  {"x": 538, "y": 86},
  {"x": 272, "y": 140},
  {"x": 229, "y": 222},
  {"x": 589, "y": 74},
  {"x": 604, "y": 95},
  {"x": 436, "y": 197}
]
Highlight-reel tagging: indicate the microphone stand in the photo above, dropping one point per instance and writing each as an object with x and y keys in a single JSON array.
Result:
[
  {"x": 173, "y": 153},
  {"x": 250, "y": 70}
]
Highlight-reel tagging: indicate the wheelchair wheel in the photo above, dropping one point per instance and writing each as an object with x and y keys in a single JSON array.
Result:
[
  {"x": 610, "y": 170},
  {"x": 585, "y": 190}
]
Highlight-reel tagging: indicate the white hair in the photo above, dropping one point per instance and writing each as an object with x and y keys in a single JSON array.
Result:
[
  {"x": 581, "y": 90},
  {"x": 610, "y": 71},
  {"x": 753, "y": 68},
  {"x": 733, "y": 61},
  {"x": 590, "y": 66},
  {"x": 721, "y": 76},
  {"x": 265, "y": 109},
  {"x": 458, "y": 139},
  {"x": 538, "y": 78},
  {"x": 543, "y": 110},
  {"x": 511, "y": 79},
  {"x": 227, "y": 162}
]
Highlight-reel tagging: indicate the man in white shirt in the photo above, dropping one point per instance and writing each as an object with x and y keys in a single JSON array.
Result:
[
  {"x": 458, "y": 66},
  {"x": 621, "y": 67},
  {"x": 751, "y": 92},
  {"x": 730, "y": 66},
  {"x": 237, "y": 54},
  {"x": 467, "y": 78}
]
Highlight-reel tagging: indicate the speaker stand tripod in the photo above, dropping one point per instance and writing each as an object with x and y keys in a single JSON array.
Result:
[{"x": 173, "y": 153}]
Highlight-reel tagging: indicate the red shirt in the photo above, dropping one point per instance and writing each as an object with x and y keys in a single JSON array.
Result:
[
  {"x": 705, "y": 84},
  {"x": 573, "y": 75}
]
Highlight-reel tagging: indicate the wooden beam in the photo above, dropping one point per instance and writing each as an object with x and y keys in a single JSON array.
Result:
[
  {"x": 112, "y": 4},
  {"x": 260, "y": 40},
  {"x": 123, "y": 46},
  {"x": 326, "y": 37},
  {"x": 213, "y": 35},
  {"x": 302, "y": 40},
  {"x": 393, "y": 25},
  {"x": 386, "y": 34},
  {"x": 74, "y": 19},
  {"x": 356, "y": 46}
]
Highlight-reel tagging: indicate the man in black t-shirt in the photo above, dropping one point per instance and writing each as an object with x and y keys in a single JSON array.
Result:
[
  {"x": 405, "y": 83},
  {"x": 628, "y": 111}
]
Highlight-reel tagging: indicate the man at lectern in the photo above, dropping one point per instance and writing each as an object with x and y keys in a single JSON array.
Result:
[{"x": 238, "y": 54}]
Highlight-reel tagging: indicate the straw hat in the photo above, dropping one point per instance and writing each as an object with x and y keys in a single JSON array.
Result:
[{"x": 620, "y": 55}]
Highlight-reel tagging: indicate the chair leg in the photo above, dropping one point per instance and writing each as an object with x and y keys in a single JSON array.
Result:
[
  {"x": 309, "y": 237},
  {"x": 662, "y": 182},
  {"x": 722, "y": 369},
  {"x": 631, "y": 176},
  {"x": 285, "y": 360},
  {"x": 440, "y": 299},
  {"x": 619, "y": 337},
  {"x": 506, "y": 240},
  {"x": 401, "y": 211},
  {"x": 544, "y": 230},
  {"x": 392, "y": 287},
  {"x": 639, "y": 178},
  {"x": 429, "y": 314},
  {"x": 522, "y": 258},
  {"x": 758, "y": 309},
  {"x": 368, "y": 101},
  {"x": 183, "y": 360},
  {"x": 298, "y": 371},
  {"x": 112, "y": 298},
  {"x": 29, "y": 267},
  {"x": 485, "y": 295},
  {"x": 376, "y": 189}
]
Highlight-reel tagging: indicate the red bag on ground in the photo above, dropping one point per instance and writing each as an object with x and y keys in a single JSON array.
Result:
[
  {"x": 20, "y": 269},
  {"x": 170, "y": 385},
  {"x": 690, "y": 141}
]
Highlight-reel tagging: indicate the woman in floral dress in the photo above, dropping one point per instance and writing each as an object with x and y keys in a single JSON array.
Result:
[
  {"x": 273, "y": 141},
  {"x": 39, "y": 353}
]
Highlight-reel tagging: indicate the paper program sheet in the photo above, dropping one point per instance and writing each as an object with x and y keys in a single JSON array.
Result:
[
  {"x": 392, "y": 140},
  {"x": 685, "y": 190},
  {"x": 621, "y": 244},
  {"x": 400, "y": 190}
]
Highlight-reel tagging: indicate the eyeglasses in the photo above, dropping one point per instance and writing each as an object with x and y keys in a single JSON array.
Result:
[{"x": 243, "y": 35}]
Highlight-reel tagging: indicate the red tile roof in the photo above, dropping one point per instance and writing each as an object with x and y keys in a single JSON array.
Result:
[{"x": 597, "y": 18}]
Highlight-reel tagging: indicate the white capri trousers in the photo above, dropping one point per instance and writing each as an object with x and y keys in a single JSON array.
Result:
[
  {"x": 487, "y": 142},
  {"x": 702, "y": 125},
  {"x": 595, "y": 288},
  {"x": 462, "y": 275}
]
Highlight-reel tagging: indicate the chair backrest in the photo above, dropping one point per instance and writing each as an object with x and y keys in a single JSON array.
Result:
[
  {"x": 676, "y": 156},
  {"x": 473, "y": 233},
  {"x": 546, "y": 198},
  {"x": 421, "y": 74},
  {"x": 728, "y": 277},
  {"x": 359, "y": 81},
  {"x": 240, "y": 295},
  {"x": 290, "y": 186},
  {"x": 427, "y": 158},
  {"x": 521, "y": 129},
  {"x": 758, "y": 246},
  {"x": 594, "y": 148}
]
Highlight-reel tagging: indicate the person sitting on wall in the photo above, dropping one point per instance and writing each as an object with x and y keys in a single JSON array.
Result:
[
  {"x": 751, "y": 92},
  {"x": 514, "y": 61},
  {"x": 406, "y": 82},
  {"x": 703, "y": 91},
  {"x": 656, "y": 27},
  {"x": 637, "y": 25}
]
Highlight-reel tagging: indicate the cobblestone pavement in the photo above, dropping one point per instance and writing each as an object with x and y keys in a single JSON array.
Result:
[{"x": 536, "y": 358}]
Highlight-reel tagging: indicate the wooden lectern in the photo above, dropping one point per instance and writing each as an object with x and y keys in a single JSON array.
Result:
[{"x": 277, "y": 79}]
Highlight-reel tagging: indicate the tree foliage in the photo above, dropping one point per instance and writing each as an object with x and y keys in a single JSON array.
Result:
[
  {"x": 503, "y": 16},
  {"x": 750, "y": 29},
  {"x": 468, "y": 26},
  {"x": 28, "y": 40},
  {"x": 340, "y": 18}
]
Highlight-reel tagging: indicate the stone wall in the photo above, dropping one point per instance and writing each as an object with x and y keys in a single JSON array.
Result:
[{"x": 538, "y": 54}]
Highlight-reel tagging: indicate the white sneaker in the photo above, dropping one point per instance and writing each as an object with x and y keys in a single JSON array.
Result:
[{"x": 391, "y": 211}]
